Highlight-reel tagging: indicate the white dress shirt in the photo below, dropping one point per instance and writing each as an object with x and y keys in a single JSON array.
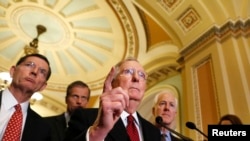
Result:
[
  {"x": 7, "y": 109},
  {"x": 124, "y": 116},
  {"x": 67, "y": 117}
]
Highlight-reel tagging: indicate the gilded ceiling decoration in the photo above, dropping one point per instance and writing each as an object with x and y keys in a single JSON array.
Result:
[{"x": 85, "y": 38}]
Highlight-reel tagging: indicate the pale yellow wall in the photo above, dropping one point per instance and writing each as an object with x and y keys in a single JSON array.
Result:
[{"x": 229, "y": 58}]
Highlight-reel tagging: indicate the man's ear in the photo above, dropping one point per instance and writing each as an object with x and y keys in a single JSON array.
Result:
[
  {"x": 153, "y": 109},
  {"x": 12, "y": 70}
]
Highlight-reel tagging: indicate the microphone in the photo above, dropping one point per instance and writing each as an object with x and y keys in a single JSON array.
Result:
[
  {"x": 160, "y": 122},
  {"x": 191, "y": 125}
]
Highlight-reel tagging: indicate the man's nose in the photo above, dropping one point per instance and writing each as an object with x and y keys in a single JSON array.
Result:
[
  {"x": 135, "y": 77},
  {"x": 166, "y": 106},
  {"x": 34, "y": 70},
  {"x": 79, "y": 100}
]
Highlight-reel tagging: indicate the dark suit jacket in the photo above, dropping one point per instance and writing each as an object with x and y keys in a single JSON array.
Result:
[
  {"x": 35, "y": 128},
  {"x": 83, "y": 118},
  {"x": 58, "y": 126}
]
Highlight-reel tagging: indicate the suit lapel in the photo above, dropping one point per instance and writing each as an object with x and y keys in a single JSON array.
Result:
[
  {"x": 119, "y": 132},
  {"x": 27, "y": 131},
  {"x": 61, "y": 125},
  {"x": 146, "y": 131}
]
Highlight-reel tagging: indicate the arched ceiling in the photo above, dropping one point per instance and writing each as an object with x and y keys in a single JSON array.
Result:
[
  {"x": 82, "y": 40},
  {"x": 85, "y": 38}
]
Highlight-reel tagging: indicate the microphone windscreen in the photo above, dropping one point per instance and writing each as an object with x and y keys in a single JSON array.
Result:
[
  {"x": 158, "y": 120},
  {"x": 190, "y": 125}
]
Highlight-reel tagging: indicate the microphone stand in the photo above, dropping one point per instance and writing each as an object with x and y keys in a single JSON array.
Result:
[
  {"x": 201, "y": 132},
  {"x": 191, "y": 125},
  {"x": 159, "y": 121},
  {"x": 176, "y": 133}
]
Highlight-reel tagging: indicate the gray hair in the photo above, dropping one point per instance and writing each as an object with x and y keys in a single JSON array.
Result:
[{"x": 165, "y": 92}]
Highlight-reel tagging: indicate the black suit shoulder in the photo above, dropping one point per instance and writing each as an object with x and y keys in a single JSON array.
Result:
[
  {"x": 53, "y": 120},
  {"x": 53, "y": 117},
  {"x": 80, "y": 121},
  {"x": 150, "y": 131},
  {"x": 36, "y": 128},
  {"x": 58, "y": 126}
]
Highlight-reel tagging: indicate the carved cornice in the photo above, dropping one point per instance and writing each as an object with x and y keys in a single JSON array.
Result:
[
  {"x": 128, "y": 25},
  {"x": 231, "y": 28},
  {"x": 169, "y": 5},
  {"x": 189, "y": 19},
  {"x": 161, "y": 74}
]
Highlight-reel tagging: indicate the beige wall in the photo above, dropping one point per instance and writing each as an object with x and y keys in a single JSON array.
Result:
[{"x": 216, "y": 74}]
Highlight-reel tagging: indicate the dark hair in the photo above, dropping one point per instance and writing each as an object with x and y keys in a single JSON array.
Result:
[
  {"x": 22, "y": 59},
  {"x": 232, "y": 118},
  {"x": 75, "y": 84}
]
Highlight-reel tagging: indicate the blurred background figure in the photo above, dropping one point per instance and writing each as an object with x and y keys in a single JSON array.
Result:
[
  {"x": 230, "y": 119},
  {"x": 77, "y": 96}
]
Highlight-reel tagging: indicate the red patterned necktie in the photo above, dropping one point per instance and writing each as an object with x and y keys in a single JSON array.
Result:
[
  {"x": 14, "y": 127},
  {"x": 132, "y": 130}
]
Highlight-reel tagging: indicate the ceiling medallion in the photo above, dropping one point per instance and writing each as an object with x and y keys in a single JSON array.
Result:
[{"x": 58, "y": 33}]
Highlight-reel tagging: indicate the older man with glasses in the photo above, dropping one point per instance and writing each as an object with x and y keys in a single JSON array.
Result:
[{"x": 116, "y": 119}]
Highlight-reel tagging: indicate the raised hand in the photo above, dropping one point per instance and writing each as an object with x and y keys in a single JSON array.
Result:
[{"x": 112, "y": 103}]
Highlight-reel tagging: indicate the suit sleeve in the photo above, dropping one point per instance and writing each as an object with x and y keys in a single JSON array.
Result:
[{"x": 79, "y": 123}]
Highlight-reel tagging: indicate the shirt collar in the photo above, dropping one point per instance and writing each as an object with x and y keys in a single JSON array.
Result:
[
  {"x": 9, "y": 101},
  {"x": 125, "y": 114},
  {"x": 67, "y": 117}
]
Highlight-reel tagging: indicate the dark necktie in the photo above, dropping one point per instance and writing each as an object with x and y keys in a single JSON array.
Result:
[
  {"x": 14, "y": 127},
  {"x": 132, "y": 130},
  {"x": 163, "y": 137}
]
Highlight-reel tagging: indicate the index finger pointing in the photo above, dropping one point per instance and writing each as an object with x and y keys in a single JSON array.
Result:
[{"x": 108, "y": 81}]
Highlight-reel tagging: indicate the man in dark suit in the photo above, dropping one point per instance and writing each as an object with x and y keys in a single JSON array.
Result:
[
  {"x": 123, "y": 91},
  {"x": 77, "y": 95},
  {"x": 165, "y": 106},
  {"x": 29, "y": 75}
]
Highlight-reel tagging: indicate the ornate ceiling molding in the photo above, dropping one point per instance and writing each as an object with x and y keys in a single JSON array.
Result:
[
  {"x": 128, "y": 25},
  {"x": 131, "y": 42},
  {"x": 169, "y": 5},
  {"x": 160, "y": 74},
  {"x": 218, "y": 33},
  {"x": 189, "y": 19}
]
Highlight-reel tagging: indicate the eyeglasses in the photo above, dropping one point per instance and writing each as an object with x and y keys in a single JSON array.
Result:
[
  {"x": 131, "y": 71},
  {"x": 41, "y": 71}
]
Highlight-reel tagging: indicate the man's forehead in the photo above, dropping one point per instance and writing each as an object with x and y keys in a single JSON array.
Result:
[
  {"x": 36, "y": 60},
  {"x": 169, "y": 97},
  {"x": 133, "y": 64}
]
